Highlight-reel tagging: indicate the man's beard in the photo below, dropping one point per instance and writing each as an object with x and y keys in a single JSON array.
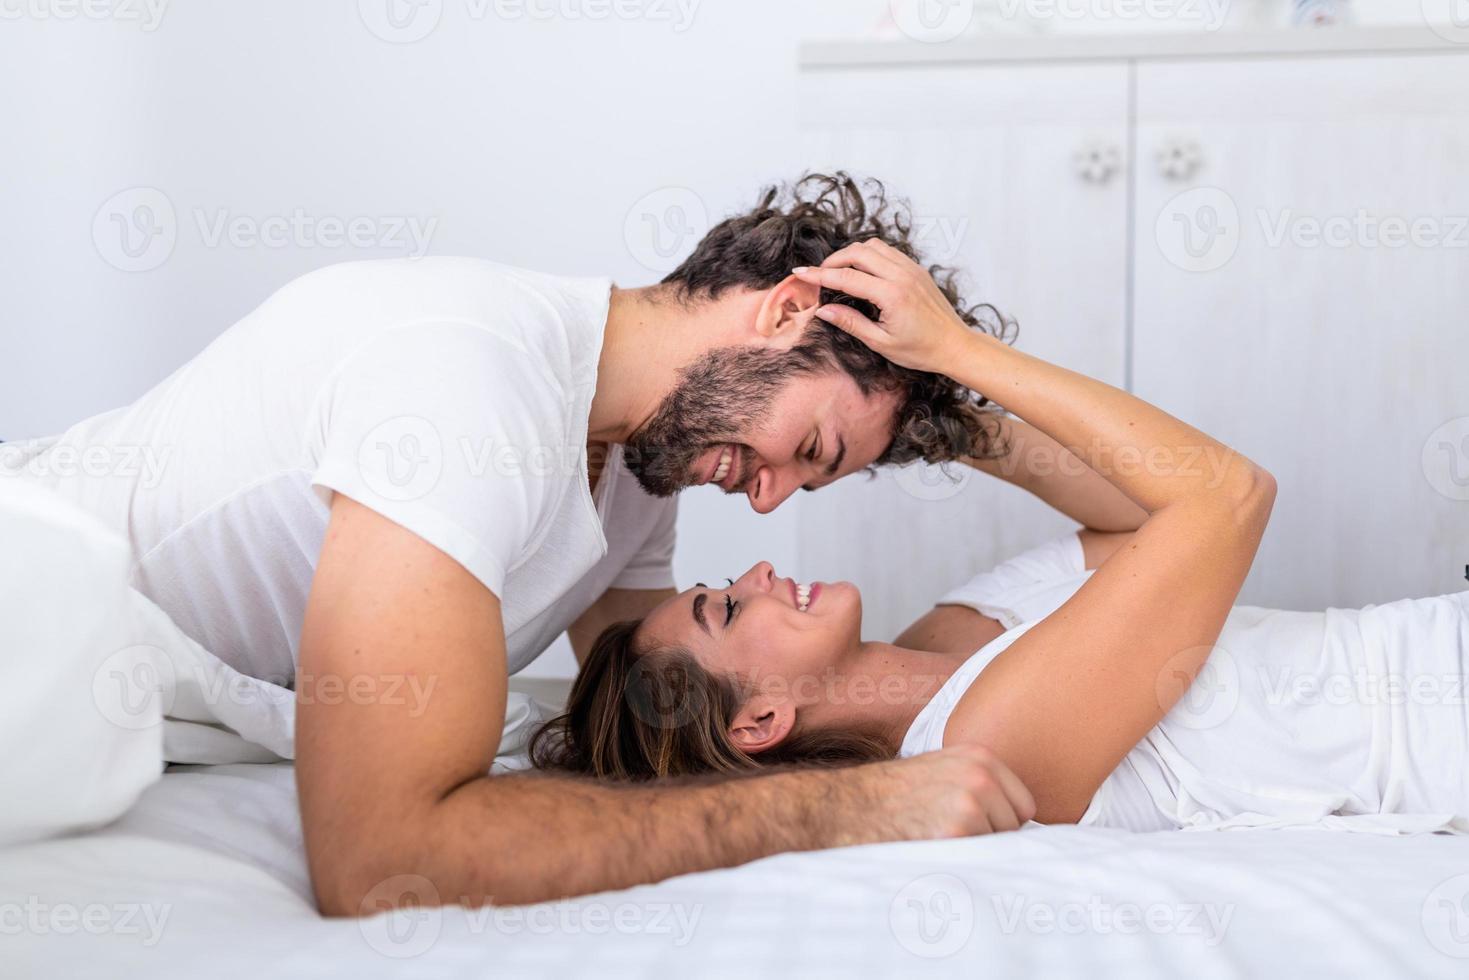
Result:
[{"x": 722, "y": 397}]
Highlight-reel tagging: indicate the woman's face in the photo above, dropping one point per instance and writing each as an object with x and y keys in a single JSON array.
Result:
[{"x": 763, "y": 630}]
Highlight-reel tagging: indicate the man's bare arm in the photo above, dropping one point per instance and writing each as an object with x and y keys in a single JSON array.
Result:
[
  {"x": 401, "y": 701},
  {"x": 614, "y": 606},
  {"x": 1055, "y": 474}
]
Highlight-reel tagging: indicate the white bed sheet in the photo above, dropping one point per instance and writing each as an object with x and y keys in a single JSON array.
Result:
[{"x": 206, "y": 877}]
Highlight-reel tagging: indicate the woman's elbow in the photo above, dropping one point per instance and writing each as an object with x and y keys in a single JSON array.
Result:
[{"x": 1254, "y": 497}]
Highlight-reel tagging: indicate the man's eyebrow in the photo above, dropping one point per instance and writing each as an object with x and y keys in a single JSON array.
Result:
[
  {"x": 699, "y": 601},
  {"x": 836, "y": 464}
]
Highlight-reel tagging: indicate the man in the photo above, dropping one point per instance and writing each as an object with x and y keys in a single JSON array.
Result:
[{"x": 430, "y": 469}]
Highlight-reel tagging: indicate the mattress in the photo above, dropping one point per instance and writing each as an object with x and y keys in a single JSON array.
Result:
[
  {"x": 206, "y": 876},
  {"x": 204, "y": 873}
]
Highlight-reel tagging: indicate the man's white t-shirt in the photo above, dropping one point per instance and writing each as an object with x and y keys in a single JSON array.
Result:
[{"x": 449, "y": 395}]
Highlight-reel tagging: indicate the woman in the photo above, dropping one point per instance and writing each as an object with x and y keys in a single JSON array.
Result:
[{"x": 1085, "y": 646}]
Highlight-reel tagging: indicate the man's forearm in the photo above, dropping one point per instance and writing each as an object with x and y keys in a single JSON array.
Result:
[
  {"x": 528, "y": 838},
  {"x": 1042, "y": 466}
]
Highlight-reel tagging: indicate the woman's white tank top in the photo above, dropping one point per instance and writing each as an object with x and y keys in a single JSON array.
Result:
[{"x": 1350, "y": 717}]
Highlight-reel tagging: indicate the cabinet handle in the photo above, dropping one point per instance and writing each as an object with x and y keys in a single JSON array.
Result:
[
  {"x": 1097, "y": 161},
  {"x": 1178, "y": 157}
]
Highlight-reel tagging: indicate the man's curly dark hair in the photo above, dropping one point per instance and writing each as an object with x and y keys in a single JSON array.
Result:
[{"x": 800, "y": 225}]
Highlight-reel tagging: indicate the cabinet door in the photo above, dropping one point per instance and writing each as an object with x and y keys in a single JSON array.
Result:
[
  {"x": 1303, "y": 294},
  {"x": 988, "y": 158}
]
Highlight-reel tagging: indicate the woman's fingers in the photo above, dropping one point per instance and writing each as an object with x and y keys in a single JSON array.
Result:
[
  {"x": 917, "y": 328},
  {"x": 1016, "y": 792},
  {"x": 871, "y": 256},
  {"x": 854, "y": 323},
  {"x": 853, "y": 282},
  {"x": 1001, "y": 813},
  {"x": 999, "y": 792}
]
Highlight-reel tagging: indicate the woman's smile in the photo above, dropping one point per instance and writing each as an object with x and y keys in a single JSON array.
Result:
[{"x": 805, "y": 595}]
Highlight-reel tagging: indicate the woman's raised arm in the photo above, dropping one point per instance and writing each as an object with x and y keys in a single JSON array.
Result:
[{"x": 1064, "y": 703}]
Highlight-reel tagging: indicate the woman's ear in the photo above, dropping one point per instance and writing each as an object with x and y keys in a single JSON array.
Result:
[
  {"x": 762, "y": 724},
  {"x": 788, "y": 306}
]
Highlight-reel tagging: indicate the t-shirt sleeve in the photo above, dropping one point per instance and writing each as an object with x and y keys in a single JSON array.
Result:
[
  {"x": 652, "y": 566},
  {"x": 454, "y": 433},
  {"x": 1027, "y": 586}
]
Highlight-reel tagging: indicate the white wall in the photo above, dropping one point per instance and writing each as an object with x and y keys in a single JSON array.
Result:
[
  {"x": 521, "y": 139},
  {"x": 538, "y": 141}
]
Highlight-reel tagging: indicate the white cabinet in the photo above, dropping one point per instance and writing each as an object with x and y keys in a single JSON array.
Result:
[
  {"x": 1321, "y": 324},
  {"x": 988, "y": 156},
  {"x": 1191, "y": 273}
]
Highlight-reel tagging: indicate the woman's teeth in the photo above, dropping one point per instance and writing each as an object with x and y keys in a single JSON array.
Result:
[
  {"x": 722, "y": 470},
  {"x": 803, "y": 597}
]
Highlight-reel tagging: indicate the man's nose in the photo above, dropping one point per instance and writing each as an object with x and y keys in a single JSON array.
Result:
[{"x": 771, "y": 488}]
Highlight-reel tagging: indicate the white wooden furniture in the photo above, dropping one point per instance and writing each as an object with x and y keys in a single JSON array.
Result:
[{"x": 1264, "y": 234}]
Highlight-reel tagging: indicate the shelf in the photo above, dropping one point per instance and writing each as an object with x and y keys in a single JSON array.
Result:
[{"x": 1158, "y": 45}]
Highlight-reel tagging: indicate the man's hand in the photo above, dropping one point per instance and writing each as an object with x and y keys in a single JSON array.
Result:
[
  {"x": 917, "y": 328},
  {"x": 957, "y": 792},
  {"x": 400, "y": 702}
]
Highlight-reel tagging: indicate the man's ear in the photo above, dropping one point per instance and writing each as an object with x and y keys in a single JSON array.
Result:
[
  {"x": 763, "y": 723},
  {"x": 787, "y": 308}
]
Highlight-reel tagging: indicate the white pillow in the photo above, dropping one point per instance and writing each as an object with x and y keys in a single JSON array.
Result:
[{"x": 80, "y": 730}]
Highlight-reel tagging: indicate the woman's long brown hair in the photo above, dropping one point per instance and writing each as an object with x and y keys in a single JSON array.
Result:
[{"x": 649, "y": 714}]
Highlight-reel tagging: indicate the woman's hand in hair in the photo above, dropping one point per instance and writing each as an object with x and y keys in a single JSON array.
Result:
[{"x": 917, "y": 327}]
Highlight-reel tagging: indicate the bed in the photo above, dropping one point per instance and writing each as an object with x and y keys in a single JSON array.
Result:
[
  {"x": 206, "y": 875},
  {"x": 202, "y": 871}
]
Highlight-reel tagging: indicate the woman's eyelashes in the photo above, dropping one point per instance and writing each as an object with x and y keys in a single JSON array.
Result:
[{"x": 729, "y": 608}]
